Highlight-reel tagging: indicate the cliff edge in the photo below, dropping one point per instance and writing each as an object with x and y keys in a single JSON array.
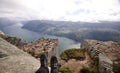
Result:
[{"x": 14, "y": 60}]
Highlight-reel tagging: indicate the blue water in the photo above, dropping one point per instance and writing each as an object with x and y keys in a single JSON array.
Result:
[{"x": 16, "y": 30}]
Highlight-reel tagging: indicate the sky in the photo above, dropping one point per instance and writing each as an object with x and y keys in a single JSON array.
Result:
[{"x": 63, "y": 10}]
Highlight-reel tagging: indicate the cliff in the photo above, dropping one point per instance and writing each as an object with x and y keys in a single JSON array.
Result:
[
  {"x": 14, "y": 60},
  {"x": 107, "y": 53},
  {"x": 49, "y": 46},
  {"x": 13, "y": 40}
]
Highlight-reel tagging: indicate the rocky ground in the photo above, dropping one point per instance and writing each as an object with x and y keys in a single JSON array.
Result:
[
  {"x": 13, "y": 40},
  {"x": 77, "y": 65},
  {"x": 110, "y": 49},
  {"x": 14, "y": 60},
  {"x": 94, "y": 54},
  {"x": 46, "y": 45},
  {"x": 107, "y": 53}
]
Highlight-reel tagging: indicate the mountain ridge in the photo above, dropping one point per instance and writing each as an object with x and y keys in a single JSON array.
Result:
[{"x": 76, "y": 30}]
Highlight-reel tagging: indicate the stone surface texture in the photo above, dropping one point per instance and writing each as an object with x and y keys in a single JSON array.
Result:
[
  {"x": 107, "y": 53},
  {"x": 14, "y": 60}
]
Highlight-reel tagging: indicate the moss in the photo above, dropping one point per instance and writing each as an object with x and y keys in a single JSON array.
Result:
[
  {"x": 66, "y": 70},
  {"x": 95, "y": 64},
  {"x": 116, "y": 68},
  {"x": 77, "y": 54},
  {"x": 85, "y": 70}
]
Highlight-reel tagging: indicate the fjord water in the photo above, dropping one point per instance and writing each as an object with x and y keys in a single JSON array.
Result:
[{"x": 30, "y": 36}]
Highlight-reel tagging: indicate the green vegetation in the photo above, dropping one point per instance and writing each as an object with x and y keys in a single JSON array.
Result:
[
  {"x": 85, "y": 70},
  {"x": 65, "y": 70},
  {"x": 116, "y": 68},
  {"x": 95, "y": 64},
  {"x": 94, "y": 69},
  {"x": 14, "y": 40},
  {"x": 77, "y": 54}
]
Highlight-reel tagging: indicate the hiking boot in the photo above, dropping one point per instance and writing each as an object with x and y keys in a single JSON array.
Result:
[
  {"x": 43, "y": 68},
  {"x": 54, "y": 64}
]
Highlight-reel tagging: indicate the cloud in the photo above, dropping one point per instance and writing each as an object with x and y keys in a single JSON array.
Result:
[{"x": 73, "y": 10}]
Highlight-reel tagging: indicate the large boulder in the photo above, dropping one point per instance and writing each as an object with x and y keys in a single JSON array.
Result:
[
  {"x": 108, "y": 53},
  {"x": 109, "y": 48},
  {"x": 14, "y": 60}
]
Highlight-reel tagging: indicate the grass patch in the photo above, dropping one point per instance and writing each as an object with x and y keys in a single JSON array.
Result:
[
  {"x": 85, "y": 70},
  {"x": 78, "y": 54},
  {"x": 116, "y": 68},
  {"x": 65, "y": 70}
]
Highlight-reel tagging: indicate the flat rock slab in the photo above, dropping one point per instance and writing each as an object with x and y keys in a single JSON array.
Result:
[{"x": 14, "y": 60}]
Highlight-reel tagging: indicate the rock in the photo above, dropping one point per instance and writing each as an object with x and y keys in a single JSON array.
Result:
[
  {"x": 1, "y": 33},
  {"x": 107, "y": 53},
  {"x": 109, "y": 48},
  {"x": 105, "y": 64},
  {"x": 14, "y": 60},
  {"x": 48, "y": 46},
  {"x": 13, "y": 40}
]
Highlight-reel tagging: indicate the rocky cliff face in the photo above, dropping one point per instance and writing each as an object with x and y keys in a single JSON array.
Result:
[
  {"x": 109, "y": 48},
  {"x": 49, "y": 46},
  {"x": 14, "y": 60},
  {"x": 106, "y": 52}
]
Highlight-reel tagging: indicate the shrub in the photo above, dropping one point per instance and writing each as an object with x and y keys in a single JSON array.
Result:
[
  {"x": 116, "y": 68},
  {"x": 95, "y": 64},
  {"x": 85, "y": 70},
  {"x": 73, "y": 54},
  {"x": 65, "y": 70}
]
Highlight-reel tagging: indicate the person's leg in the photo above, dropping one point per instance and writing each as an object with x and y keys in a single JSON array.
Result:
[
  {"x": 54, "y": 64},
  {"x": 43, "y": 68}
]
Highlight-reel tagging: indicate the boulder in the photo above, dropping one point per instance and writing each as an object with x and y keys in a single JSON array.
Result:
[{"x": 108, "y": 53}]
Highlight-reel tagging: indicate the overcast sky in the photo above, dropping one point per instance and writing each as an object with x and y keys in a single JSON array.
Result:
[{"x": 70, "y": 10}]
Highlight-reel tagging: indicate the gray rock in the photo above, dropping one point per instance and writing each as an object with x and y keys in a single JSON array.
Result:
[
  {"x": 105, "y": 64},
  {"x": 107, "y": 53},
  {"x": 14, "y": 60}
]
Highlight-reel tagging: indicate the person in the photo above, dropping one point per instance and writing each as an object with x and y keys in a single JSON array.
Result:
[{"x": 44, "y": 68}]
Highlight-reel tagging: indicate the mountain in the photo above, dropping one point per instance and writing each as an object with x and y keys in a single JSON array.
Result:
[
  {"x": 14, "y": 60},
  {"x": 4, "y": 22},
  {"x": 77, "y": 31}
]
